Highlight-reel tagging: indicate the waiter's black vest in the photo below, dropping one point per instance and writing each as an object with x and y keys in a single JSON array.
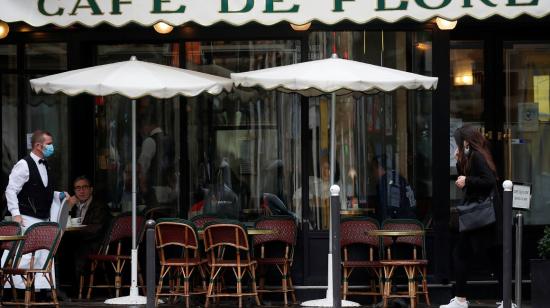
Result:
[{"x": 34, "y": 199}]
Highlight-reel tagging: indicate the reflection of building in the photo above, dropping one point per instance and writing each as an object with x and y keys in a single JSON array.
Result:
[{"x": 484, "y": 76}]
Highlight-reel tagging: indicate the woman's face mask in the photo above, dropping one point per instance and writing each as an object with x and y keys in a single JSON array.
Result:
[
  {"x": 466, "y": 149},
  {"x": 48, "y": 150}
]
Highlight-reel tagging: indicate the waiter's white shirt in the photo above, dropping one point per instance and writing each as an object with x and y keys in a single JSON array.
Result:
[{"x": 18, "y": 177}]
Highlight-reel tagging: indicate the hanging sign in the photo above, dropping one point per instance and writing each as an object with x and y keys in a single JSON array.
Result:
[
  {"x": 521, "y": 196},
  {"x": 267, "y": 12}
]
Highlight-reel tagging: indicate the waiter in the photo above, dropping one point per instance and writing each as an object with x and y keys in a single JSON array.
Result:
[{"x": 30, "y": 194}]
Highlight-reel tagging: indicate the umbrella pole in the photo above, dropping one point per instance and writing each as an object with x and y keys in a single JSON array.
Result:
[
  {"x": 332, "y": 287},
  {"x": 134, "y": 297},
  {"x": 133, "y": 286}
]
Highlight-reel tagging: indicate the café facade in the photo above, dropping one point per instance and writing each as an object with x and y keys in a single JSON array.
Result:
[{"x": 233, "y": 153}]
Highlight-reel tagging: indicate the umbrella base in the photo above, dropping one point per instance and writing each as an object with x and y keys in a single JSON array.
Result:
[
  {"x": 127, "y": 300},
  {"x": 327, "y": 302}
]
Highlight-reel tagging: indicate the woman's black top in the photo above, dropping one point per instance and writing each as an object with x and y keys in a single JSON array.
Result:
[{"x": 480, "y": 180}]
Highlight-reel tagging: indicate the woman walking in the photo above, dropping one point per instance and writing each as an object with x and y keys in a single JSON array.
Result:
[{"x": 477, "y": 179}]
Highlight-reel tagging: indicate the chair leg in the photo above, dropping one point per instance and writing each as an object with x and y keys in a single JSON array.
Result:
[
  {"x": 425, "y": 286},
  {"x": 292, "y": 293},
  {"x": 254, "y": 289},
  {"x": 80, "y": 286},
  {"x": 345, "y": 287},
  {"x": 28, "y": 289},
  {"x": 93, "y": 267},
  {"x": 54, "y": 290},
  {"x": 284, "y": 283},
  {"x": 159, "y": 286},
  {"x": 239, "y": 286},
  {"x": 410, "y": 270},
  {"x": 210, "y": 286}
]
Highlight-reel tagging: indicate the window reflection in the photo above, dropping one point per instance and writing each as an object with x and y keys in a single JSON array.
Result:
[
  {"x": 383, "y": 141},
  {"x": 158, "y": 146},
  {"x": 244, "y": 147},
  {"x": 10, "y": 142}
]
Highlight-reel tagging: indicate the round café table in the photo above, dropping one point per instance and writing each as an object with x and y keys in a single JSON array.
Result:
[
  {"x": 249, "y": 231},
  {"x": 390, "y": 265},
  {"x": 72, "y": 228},
  {"x": 10, "y": 238},
  {"x": 356, "y": 211}
]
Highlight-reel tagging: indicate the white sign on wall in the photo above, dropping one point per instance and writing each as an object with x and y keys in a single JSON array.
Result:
[{"x": 521, "y": 197}]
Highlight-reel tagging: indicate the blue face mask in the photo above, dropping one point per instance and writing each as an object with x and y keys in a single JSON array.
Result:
[{"x": 48, "y": 150}]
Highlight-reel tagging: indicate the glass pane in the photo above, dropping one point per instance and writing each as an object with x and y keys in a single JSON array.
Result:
[
  {"x": 467, "y": 102},
  {"x": 527, "y": 153},
  {"x": 10, "y": 141},
  {"x": 8, "y": 56},
  {"x": 244, "y": 147},
  {"x": 46, "y": 56},
  {"x": 49, "y": 112},
  {"x": 158, "y": 146},
  {"x": 167, "y": 54},
  {"x": 376, "y": 135}
]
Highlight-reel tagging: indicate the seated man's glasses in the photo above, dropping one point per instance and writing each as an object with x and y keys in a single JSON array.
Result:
[{"x": 81, "y": 187}]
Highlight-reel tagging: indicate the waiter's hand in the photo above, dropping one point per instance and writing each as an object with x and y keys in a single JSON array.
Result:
[
  {"x": 72, "y": 200},
  {"x": 460, "y": 182},
  {"x": 18, "y": 218}
]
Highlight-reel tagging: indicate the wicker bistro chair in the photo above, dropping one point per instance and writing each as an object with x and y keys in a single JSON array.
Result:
[
  {"x": 227, "y": 248},
  {"x": 203, "y": 219},
  {"x": 178, "y": 237},
  {"x": 353, "y": 234},
  {"x": 111, "y": 253},
  {"x": 9, "y": 228},
  {"x": 40, "y": 236},
  {"x": 284, "y": 228},
  {"x": 411, "y": 266}
]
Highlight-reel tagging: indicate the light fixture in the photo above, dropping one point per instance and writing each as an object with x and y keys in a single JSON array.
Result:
[
  {"x": 303, "y": 27},
  {"x": 4, "y": 29},
  {"x": 464, "y": 80},
  {"x": 163, "y": 28},
  {"x": 445, "y": 24}
]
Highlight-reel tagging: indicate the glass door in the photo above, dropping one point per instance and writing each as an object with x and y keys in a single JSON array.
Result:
[
  {"x": 527, "y": 125},
  {"x": 467, "y": 104}
]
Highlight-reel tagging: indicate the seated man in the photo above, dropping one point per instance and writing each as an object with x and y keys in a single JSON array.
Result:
[
  {"x": 394, "y": 196},
  {"x": 95, "y": 216}
]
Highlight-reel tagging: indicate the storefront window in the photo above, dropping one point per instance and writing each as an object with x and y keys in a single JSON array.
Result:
[
  {"x": 382, "y": 140},
  {"x": 49, "y": 112},
  {"x": 8, "y": 56},
  {"x": 46, "y": 56},
  {"x": 244, "y": 147},
  {"x": 527, "y": 152},
  {"x": 158, "y": 146},
  {"x": 10, "y": 144}
]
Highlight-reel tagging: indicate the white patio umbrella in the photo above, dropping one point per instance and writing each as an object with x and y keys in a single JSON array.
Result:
[
  {"x": 132, "y": 79},
  {"x": 337, "y": 77}
]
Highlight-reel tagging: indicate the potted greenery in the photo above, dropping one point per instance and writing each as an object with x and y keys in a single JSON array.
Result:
[{"x": 540, "y": 272}]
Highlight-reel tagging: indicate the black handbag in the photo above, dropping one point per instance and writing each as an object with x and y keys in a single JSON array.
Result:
[{"x": 476, "y": 214}]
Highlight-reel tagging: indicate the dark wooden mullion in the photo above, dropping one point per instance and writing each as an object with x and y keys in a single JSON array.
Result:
[{"x": 440, "y": 144}]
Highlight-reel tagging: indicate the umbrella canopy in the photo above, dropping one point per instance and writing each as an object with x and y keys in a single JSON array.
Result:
[
  {"x": 132, "y": 79},
  {"x": 338, "y": 77},
  {"x": 333, "y": 75}
]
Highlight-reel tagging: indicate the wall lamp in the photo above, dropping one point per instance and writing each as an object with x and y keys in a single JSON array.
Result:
[
  {"x": 445, "y": 24},
  {"x": 4, "y": 29},
  {"x": 163, "y": 28},
  {"x": 303, "y": 27}
]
